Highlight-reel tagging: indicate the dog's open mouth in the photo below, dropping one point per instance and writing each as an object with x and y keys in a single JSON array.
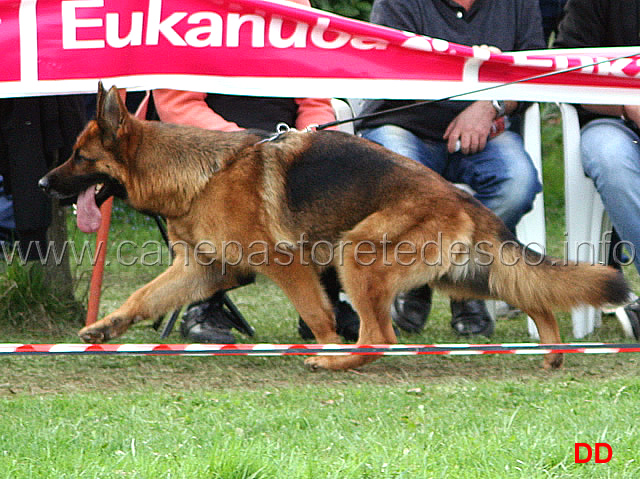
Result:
[
  {"x": 88, "y": 204},
  {"x": 88, "y": 214}
]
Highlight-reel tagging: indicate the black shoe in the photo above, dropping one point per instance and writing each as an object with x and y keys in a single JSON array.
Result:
[
  {"x": 410, "y": 310},
  {"x": 347, "y": 323},
  {"x": 629, "y": 317},
  {"x": 471, "y": 317},
  {"x": 303, "y": 330},
  {"x": 207, "y": 322}
]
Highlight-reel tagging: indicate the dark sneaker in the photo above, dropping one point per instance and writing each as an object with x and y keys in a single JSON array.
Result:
[
  {"x": 471, "y": 317},
  {"x": 207, "y": 322},
  {"x": 347, "y": 323},
  {"x": 410, "y": 310},
  {"x": 205, "y": 332},
  {"x": 629, "y": 317},
  {"x": 303, "y": 330}
]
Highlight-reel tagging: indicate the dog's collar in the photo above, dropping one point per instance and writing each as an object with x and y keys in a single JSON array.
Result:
[{"x": 282, "y": 128}]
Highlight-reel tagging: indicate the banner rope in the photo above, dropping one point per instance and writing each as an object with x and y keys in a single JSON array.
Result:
[
  {"x": 481, "y": 90},
  {"x": 17, "y": 349}
]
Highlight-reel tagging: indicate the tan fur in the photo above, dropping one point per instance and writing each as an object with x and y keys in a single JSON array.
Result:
[{"x": 231, "y": 187}]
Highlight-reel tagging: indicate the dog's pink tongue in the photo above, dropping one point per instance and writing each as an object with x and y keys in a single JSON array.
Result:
[{"x": 88, "y": 215}]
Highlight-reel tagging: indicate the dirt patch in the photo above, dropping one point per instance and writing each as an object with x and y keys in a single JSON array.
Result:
[{"x": 74, "y": 374}]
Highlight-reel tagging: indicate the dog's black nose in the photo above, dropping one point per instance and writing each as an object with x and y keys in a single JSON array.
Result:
[{"x": 44, "y": 184}]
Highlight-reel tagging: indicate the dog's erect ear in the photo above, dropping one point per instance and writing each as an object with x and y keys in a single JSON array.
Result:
[
  {"x": 102, "y": 93},
  {"x": 111, "y": 112}
]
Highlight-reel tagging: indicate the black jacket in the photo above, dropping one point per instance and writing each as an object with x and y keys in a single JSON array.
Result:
[
  {"x": 32, "y": 132},
  {"x": 599, "y": 23},
  {"x": 510, "y": 25}
]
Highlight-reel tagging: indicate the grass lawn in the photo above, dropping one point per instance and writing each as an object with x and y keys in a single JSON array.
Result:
[{"x": 270, "y": 417}]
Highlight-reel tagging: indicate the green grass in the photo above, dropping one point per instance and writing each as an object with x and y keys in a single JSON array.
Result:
[
  {"x": 458, "y": 428},
  {"x": 266, "y": 417}
]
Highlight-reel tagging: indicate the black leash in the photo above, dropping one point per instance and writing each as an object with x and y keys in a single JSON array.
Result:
[{"x": 458, "y": 95}]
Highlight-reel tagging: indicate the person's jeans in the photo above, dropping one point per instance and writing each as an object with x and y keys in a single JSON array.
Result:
[
  {"x": 502, "y": 175},
  {"x": 611, "y": 158}
]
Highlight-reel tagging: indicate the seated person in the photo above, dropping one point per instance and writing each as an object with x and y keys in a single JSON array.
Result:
[
  {"x": 610, "y": 137},
  {"x": 35, "y": 133},
  {"x": 551, "y": 14},
  {"x": 490, "y": 158},
  {"x": 7, "y": 223}
]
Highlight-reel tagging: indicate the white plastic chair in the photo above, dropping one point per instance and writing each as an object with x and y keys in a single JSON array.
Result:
[
  {"x": 531, "y": 229},
  {"x": 586, "y": 220},
  {"x": 343, "y": 111}
]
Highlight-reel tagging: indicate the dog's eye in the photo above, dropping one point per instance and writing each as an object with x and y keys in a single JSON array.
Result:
[{"x": 79, "y": 158}]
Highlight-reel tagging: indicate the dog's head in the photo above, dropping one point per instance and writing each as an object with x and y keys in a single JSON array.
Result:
[{"x": 96, "y": 169}]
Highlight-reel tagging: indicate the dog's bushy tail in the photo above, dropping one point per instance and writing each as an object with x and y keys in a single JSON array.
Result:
[{"x": 535, "y": 282}]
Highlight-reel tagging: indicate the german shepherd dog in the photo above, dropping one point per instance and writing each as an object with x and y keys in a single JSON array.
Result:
[{"x": 306, "y": 201}]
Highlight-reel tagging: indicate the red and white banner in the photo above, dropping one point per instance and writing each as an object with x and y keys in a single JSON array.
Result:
[
  {"x": 18, "y": 349},
  {"x": 260, "y": 47}
]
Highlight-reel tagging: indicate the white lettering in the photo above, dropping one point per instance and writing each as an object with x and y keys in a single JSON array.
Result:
[
  {"x": 298, "y": 38},
  {"x": 317, "y": 36},
  {"x": 207, "y": 29},
  {"x": 235, "y": 21},
  {"x": 619, "y": 65},
  {"x": 134, "y": 38},
  {"x": 156, "y": 26},
  {"x": 211, "y": 34},
  {"x": 440, "y": 45},
  {"x": 418, "y": 43},
  {"x": 602, "y": 68},
  {"x": 586, "y": 61},
  {"x": 71, "y": 24},
  {"x": 368, "y": 43}
]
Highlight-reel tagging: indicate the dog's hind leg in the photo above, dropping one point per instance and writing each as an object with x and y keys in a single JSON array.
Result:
[
  {"x": 178, "y": 285},
  {"x": 302, "y": 286},
  {"x": 549, "y": 334},
  {"x": 371, "y": 293}
]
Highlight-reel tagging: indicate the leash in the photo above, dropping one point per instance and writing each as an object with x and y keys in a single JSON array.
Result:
[{"x": 458, "y": 95}]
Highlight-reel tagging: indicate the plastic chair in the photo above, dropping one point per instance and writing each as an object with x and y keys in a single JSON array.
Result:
[
  {"x": 531, "y": 229},
  {"x": 586, "y": 220},
  {"x": 343, "y": 111}
]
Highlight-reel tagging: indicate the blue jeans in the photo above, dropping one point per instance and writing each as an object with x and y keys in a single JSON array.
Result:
[
  {"x": 502, "y": 175},
  {"x": 611, "y": 158},
  {"x": 7, "y": 220}
]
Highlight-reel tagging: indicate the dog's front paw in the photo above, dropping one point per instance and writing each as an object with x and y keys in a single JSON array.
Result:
[
  {"x": 94, "y": 335},
  {"x": 105, "y": 329},
  {"x": 315, "y": 363},
  {"x": 334, "y": 363}
]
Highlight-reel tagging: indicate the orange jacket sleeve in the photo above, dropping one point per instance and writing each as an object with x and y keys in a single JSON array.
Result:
[{"x": 190, "y": 108}]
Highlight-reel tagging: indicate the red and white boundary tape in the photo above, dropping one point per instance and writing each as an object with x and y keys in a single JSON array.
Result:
[{"x": 14, "y": 349}]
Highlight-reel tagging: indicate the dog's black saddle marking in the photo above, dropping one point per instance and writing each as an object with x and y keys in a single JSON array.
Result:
[{"x": 336, "y": 168}]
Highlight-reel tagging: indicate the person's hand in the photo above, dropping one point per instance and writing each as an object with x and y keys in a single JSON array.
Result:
[
  {"x": 472, "y": 127},
  {"x": 490, "y": 48},
  {"x": 632, "y": 113}
]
